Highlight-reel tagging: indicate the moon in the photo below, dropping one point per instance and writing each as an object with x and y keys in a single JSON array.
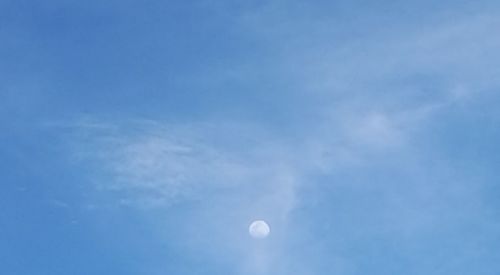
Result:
[{"x": 259, "y": 229}]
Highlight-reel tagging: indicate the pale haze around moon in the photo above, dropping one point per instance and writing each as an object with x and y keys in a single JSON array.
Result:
[{"x": 259, "y": 229}]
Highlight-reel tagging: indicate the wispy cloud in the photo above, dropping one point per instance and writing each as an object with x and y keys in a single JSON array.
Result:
[
  {"x": 378, "y": 95},
  {"x": 236, "y": 173}
]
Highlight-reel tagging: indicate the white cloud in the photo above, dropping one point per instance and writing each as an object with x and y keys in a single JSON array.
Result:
[
  {"x": 157, "y": 164},
  {"x": 240, "y": 172}
]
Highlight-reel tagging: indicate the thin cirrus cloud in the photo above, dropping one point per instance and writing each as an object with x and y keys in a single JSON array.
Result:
[
  {"x": 154, "y": 164},
  {"x": 379, "y": 99}
]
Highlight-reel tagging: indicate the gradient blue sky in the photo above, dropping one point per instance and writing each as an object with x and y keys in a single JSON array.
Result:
[{"x": 143, "y": 137}]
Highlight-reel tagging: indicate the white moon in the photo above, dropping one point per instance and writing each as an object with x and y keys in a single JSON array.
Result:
[{"x": 259, "y": 229}]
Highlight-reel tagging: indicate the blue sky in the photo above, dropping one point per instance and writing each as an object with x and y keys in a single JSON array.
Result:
[{"x": 143, "y": 137}]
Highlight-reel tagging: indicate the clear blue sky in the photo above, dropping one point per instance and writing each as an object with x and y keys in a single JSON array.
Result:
[{"x": 143, "y": 137}]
